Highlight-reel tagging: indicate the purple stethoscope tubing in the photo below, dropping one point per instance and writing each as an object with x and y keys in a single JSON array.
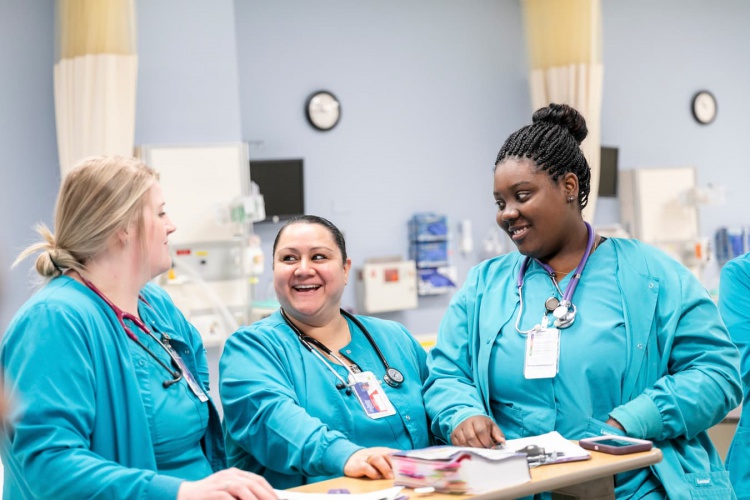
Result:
[{"x": 573, "y": 283}]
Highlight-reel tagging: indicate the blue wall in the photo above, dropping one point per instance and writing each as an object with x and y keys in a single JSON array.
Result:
[
  {"x": 657, "y": 55},
  {"x": 29, "y": 171},
  {"x": 429, "y": 89},
  {"x": 187, "y": 73}
]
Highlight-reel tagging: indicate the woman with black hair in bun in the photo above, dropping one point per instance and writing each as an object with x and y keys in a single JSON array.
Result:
[{"x": 582, "y": 334}]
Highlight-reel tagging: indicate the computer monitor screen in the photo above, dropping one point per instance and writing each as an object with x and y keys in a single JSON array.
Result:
[
  {"x": 608, "y": 172},
  {"x": 281, "y": 182}
]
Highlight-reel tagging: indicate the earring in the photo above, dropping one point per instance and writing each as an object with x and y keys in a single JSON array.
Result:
[{"x": 570, "y": 199}]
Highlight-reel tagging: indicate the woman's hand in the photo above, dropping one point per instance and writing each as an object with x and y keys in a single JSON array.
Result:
[
  {"x": 227, "y": 484},
  {"x": 478, "y": 432},
  {"x": 614, "y": 423},
  {"x": 374, "y": 463}
]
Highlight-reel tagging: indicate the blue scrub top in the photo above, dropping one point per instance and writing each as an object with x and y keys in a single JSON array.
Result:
[
  {"x": 672, "y": 375},
  {"x": 86, "y": 416},
  {"x": 577, "y": 401},
  {"x": 734, "y": 304},
  {"x": 177, "y": 448},
  {"x": 284, "y": 415}
]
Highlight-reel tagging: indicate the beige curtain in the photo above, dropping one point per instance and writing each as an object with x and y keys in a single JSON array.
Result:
[
  {"x": 95, "y": 79},
  {"x": 564, "y": 40}
]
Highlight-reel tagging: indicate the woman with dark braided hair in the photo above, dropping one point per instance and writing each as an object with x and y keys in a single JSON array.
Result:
[{"x": 581, "y": 334}]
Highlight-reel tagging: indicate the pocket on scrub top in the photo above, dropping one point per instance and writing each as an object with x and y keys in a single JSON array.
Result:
[
  {"x": 510, "y": 420},
  {"x": 709, "y": 485}
]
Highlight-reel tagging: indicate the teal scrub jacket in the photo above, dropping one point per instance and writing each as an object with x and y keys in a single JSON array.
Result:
[
  {"x": 284, "y": 416},
  {"x": 734, "y": 305},
  {"x": 78, "y": 427},
  {"x": 682, "y": 369}
]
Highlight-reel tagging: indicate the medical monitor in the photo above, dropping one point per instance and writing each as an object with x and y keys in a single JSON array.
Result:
[
  {"x": 608, "y": 172},
  {"x": 281, "y": 182}
]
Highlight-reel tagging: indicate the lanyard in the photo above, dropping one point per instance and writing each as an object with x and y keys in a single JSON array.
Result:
[{"x": 311, "y": 343}]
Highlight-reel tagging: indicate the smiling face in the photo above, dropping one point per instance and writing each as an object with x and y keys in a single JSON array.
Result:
[
  {"x": 534, "y": 210},
  {"x": 309, "y": 273},
  {"x": 156, "y": 228}
]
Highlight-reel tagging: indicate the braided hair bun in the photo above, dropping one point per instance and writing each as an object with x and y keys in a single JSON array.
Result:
[
  {"x": 553, "y": 143},
  {"x": 565, "y": 117}
]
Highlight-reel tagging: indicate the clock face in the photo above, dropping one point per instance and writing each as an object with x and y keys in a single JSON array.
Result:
[
  {"x": 323, "y": 110},
  {"x": 704, "y": 107}
]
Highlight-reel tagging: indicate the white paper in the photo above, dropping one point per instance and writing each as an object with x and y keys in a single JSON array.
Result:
[
  {"x": 448, "y": 452},
  {"x": 551, "y": 442}
]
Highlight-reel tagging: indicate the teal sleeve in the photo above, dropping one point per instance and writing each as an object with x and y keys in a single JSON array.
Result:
[
  {"x": 701, "y": 381},
  {"x": 50, "y": 379},
  {"x": 262, "y": 413},
  {"x": 734, "y": 305},
  {"x": 450, "y": 392}
]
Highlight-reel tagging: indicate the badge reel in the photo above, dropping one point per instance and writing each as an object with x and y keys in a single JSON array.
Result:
[
  {"x": 371, "y": 395},
  {"x": 192, "y": 383},
  {"x": 542, "y": 358}
]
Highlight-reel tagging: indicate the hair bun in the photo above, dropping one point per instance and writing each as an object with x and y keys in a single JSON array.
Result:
[{"x": 564, "y": 116}]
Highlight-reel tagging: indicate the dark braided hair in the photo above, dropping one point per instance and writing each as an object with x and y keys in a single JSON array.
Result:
[{"x": 553, "y": 143}]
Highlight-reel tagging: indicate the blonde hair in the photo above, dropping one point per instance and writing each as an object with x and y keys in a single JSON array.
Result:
[{"x": 99, "y": 197}]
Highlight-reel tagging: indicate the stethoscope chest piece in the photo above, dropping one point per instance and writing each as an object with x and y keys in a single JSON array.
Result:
[
  {"x": 565, "y": 314},
  {"x": 551, "y": 304},
  {"x": 393, "y": 377}
]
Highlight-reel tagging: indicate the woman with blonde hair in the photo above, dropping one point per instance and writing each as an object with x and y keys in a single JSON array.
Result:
[{"x": 109, "y": 381}]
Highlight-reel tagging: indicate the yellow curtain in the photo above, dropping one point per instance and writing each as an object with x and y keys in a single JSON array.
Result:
[
  {"x": 95, "y": 79},
  {"x": 564, "y": 39}
]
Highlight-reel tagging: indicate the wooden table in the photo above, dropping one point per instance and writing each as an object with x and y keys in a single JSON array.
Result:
[{"x": 585, "y": 480}]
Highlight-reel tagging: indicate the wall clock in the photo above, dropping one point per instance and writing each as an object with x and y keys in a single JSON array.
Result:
[
  {"x": 323, "y": 110},
  {"x": 704, "y": 107}
]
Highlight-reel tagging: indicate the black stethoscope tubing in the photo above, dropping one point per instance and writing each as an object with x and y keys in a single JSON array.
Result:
[{"x": 392, "y": 377}]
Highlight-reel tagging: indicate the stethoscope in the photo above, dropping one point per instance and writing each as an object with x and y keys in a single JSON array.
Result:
[
  {"x": 564, "y": 311},
  {"x": 392, "y": 376},
  {"x": 122, "y": 316}
]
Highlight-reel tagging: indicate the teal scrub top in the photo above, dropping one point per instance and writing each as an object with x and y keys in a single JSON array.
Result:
[
  {"x": 676, "y": 375},
  {"x": 734, "y": 304},
  {"x": 576, "y": 402},
  {"x": 286, "y": 419},
  {"x": 176, "y": 446},
  {"x": 79, "y": 425}
]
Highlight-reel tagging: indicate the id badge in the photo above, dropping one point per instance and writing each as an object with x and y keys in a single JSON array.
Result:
[
  {"x": 542, "y": 353},
  {"x": 371, "y": 395},
  {"x": 192, "y": 383}
]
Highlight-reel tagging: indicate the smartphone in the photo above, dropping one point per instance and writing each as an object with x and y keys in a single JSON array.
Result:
[{"x": 615, "y": 445}]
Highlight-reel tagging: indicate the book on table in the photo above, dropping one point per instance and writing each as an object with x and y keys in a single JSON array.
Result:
[{"x": 455, "y": 469}]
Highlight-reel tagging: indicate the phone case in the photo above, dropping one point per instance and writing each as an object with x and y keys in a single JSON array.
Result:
[{"x": 616, "y": 445}]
